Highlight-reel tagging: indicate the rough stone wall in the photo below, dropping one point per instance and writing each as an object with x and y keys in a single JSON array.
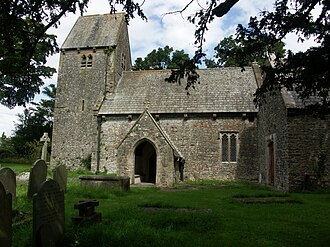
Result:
[
  {"x": 308, "y": 138},
  {"x": 123, "y": 53},
  {"x": 116, "y": 65},
  {"x": 197, "y": 138},
  {"x": 145, "y": 129},
  {"x": 272, "y": 126},
  {"x": 78, "y": 92},
  {"x": 113, "y": 131}
]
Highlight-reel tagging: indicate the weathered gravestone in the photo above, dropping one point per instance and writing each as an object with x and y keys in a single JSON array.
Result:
[
  {"x": 48, "y": 215},
  {"x": 38, "y": 174},
  {"x": 5, "y": 217},
  {"x": 23, "y": 178},
  {"x": 8, "y": 180},
  {"x": 60, "y": 175},
  {"x": 45, "y": 139}
]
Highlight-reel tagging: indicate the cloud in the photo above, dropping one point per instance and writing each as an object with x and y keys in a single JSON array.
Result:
[
  {"x": 8, "y": 117},
  {"x": 160, "y": 30}
]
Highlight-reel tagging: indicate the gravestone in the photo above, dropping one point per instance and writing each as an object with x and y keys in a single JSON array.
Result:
[
  {"x": 8, "y": 180},
  {"x": 60, "y": 175},
  {"x": 48, "y": 215},
  {"x": 5, "y": 217},
  {"x": 38, "y": 174},
  {"x": 45, "y": 139},
  {"x": 23, "y": 178}
]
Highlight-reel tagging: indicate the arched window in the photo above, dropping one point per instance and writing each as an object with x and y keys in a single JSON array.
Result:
[
  {"x": 229, "y": 147},
  {"x": 233, "y": 148},
  {"x": 90, "y": 61},
  {"x": 224, "y": 148},
  {"x": 83, "y": 61}
]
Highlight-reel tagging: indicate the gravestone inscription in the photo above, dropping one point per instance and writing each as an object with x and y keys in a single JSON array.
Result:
[
  {"x": 8, "y": 180},
  {"x": 38, "y": 174},
  {"x": 60, "y": 175},
  {"x": 48, "y": 215},
  {"x": 5, "y": 217}
]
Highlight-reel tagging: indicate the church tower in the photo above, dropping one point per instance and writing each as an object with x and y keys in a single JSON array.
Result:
[{"x": 92, "y": 60}]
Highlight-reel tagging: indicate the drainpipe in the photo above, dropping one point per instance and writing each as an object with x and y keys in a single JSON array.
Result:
[{"x": 99, "y": 122}]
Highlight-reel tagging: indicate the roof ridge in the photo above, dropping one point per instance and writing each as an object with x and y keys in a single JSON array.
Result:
[{"x": 169, "y": 70}]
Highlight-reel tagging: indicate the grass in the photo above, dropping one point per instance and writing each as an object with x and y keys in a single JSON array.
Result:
[
  {"x": 203, "y": 213},
  {"x": 17, "y": 167}
]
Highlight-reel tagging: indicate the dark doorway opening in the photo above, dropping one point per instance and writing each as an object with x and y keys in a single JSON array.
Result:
[
  {"x": 271, "y": 155},
  {"x": 145, "y": 162}
]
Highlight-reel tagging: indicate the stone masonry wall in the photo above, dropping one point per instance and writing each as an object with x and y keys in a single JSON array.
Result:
[
  {"x": 78, "y": 92},
  {"x": 123, "y": 54},
  {"x": 272, "y": 127},
  {"x": 113, "y": 131},
  {"x": 146, "y": 130},
  {"x": 120, "y": 60},
  {"x": 308, "y": 138},
  {"x": 197, "y": 138}
]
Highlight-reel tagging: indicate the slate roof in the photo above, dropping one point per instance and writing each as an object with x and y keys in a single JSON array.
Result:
[
  {"x": 220, "y": 90},
  {"x": 291, "y": 100},
  {"x": 94, "y": 31}
]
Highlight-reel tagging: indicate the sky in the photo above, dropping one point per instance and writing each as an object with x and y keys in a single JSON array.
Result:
[{"x": 161, "y": 29}]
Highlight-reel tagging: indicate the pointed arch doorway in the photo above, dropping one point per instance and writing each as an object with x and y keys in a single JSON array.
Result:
[{"x": 146, "y": 162}]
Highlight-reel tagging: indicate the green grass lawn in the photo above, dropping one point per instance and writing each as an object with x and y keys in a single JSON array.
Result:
[
  {"x": 206, "y": 213},
  {"x": 17, "y": 168}
]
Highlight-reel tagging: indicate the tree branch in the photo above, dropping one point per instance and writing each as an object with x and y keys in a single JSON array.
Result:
[
  {"x": 223, "y": 8},
  {"x": 179, "y": 11}
]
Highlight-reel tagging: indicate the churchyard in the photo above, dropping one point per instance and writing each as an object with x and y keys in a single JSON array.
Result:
[{"x": 203, "y": 213}]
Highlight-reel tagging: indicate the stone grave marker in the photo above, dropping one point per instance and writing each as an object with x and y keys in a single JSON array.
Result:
[
  {"x": 48, "y": 215},
  {"x": 23, "y": 178},
  {"x": 60, "y": 175},
  {"x": 5, "y": 217},
  {"x": 8, "y": 180},
  {"x": 87, "y": 212},
  {"x": 45, "y": 139},
  {"x": 38, "y": 174}
]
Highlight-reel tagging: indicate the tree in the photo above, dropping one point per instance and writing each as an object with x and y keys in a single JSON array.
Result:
[
  {"x": 25, "y": 43},
  {"x": 45, "y": 108},
  {"x": 162, "y": 58},
  {"x": 305, "y": 72},
  {"x": 6, "y": 148},
  {"x": 34, "y": 122},
  {"x": 228, "y": 54}
]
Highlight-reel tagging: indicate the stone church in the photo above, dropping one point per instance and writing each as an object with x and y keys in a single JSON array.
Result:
[{"x": 134, "y": 123}]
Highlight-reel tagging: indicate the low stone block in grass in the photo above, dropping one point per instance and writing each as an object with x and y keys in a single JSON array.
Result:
[{"x": 106, "y": 182}]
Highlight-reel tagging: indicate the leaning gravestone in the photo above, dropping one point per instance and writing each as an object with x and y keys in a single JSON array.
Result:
[
  {"x": 38, "y": 174},
  {"x": 60, "y": 175},
  {"x": 5, "y": 217},
  {"x": 48, "y": 215},
  {"x": 8, "y": 180}
]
